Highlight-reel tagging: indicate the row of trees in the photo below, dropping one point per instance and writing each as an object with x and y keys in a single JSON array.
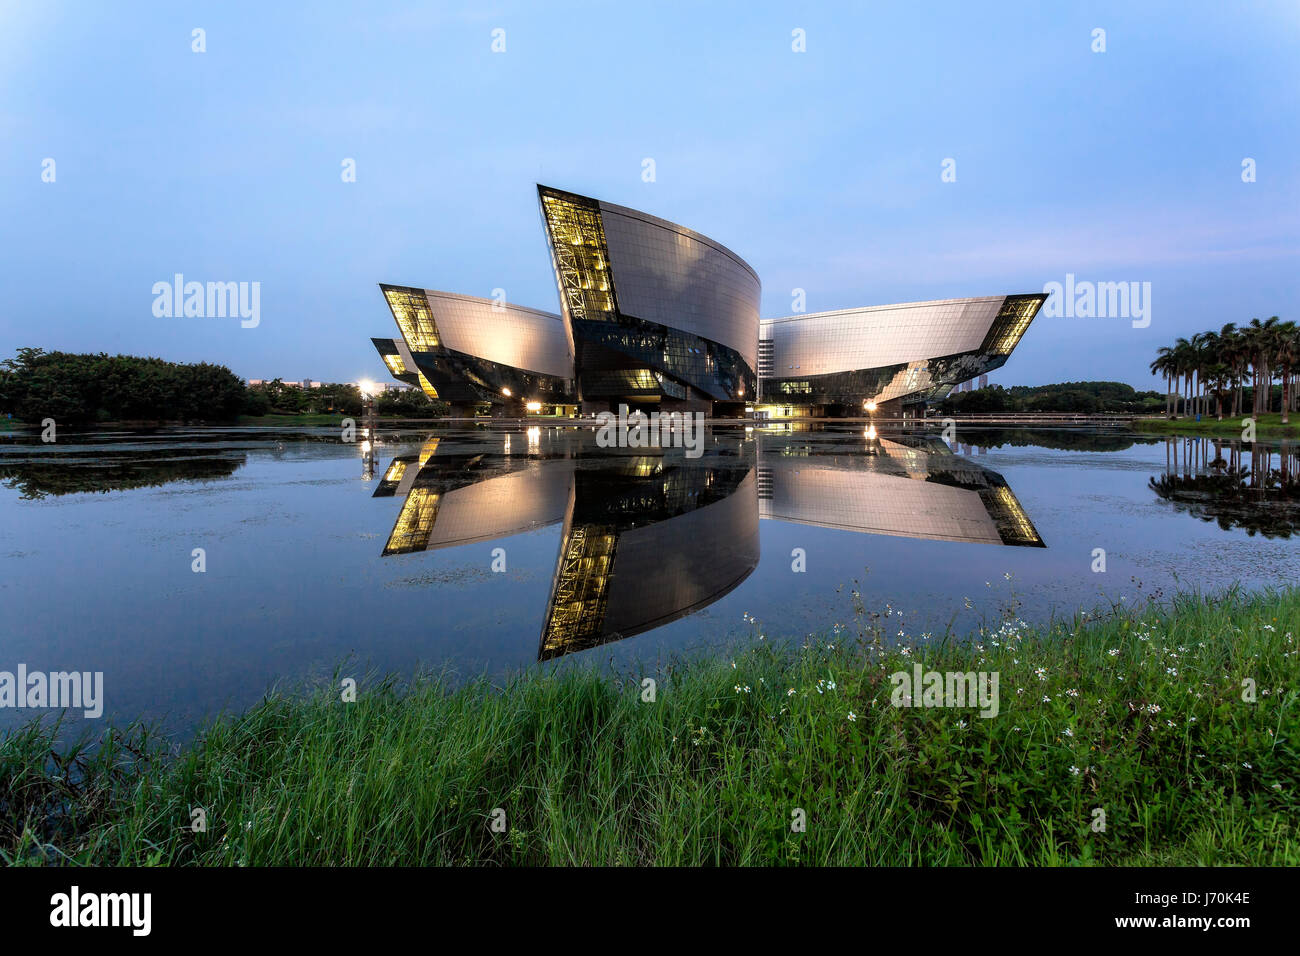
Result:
[
  {"x": 1082, "y": 397},
  {"x": 1236, "y": 363},
  {"x": 81, "y": 389},
  {"x": 277, "y": 398}
]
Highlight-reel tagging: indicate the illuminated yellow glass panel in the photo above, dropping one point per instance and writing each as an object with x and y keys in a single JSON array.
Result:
[
  {"x": 1011, "y": 324},
  {"x": 427, "y": 385},
  {"x": 578, "y": 240},
  {"x": 395, "y": 364},
  {"x": 411, "y": 311}
]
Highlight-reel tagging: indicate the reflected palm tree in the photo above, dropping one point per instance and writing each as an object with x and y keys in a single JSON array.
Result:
[{"x": 1250, "y": 486}]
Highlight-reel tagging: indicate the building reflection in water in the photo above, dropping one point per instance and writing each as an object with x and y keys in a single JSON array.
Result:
[
  {"x": 649, "y": 536},
  {"x": 908, "y": 486},
  {"x": 1250, "y": 485}
]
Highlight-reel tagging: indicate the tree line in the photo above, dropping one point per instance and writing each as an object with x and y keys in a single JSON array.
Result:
[
  {"x": 82, "y": 389},
  {"x": 1079, "y": 397},
  {"x": 1232, "y": 366},
  {"x": 277, "y": 398}
]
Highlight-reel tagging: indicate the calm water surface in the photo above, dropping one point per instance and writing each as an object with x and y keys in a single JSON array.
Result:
[{"x": 317, "y": 554}]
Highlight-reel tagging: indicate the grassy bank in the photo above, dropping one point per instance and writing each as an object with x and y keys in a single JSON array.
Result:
[
  {"x": 1266, "y": 426},
  {"x": 1140, "y": 715}
]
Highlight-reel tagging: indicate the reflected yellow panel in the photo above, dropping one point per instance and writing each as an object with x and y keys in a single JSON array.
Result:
[
  {"x": 415, "y": 523},
  {"x": 427, "y": 451},
  {"x": 577, "y": 613},
  {"x": 1014, "y": 526}
]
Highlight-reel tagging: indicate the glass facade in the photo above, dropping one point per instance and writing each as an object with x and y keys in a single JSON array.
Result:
[
  {"x": 581, "y": 258},
  {"x": 390, "y": 350},
  {"x": 1011, "y": 323},
  {"x": 411, "y": 312}
]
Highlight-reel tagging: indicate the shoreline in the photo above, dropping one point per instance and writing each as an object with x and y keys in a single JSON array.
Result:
[
  {"x": 1140, "y": 715},
  {"x": 1267, "y": 426}
]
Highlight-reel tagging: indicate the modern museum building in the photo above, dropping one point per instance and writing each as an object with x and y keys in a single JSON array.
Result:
[{"x": 656, "y": 316}]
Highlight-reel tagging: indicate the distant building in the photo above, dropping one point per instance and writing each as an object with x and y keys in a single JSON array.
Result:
[{"x": 305, "y": 383}]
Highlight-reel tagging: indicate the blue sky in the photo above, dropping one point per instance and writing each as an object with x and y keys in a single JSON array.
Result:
[{"x": 821, "y": 169}]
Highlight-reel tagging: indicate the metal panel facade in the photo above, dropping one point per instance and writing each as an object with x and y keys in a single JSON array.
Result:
[
  {"x": 671, "y": 275},
  {"x": 504, "y": 333}
]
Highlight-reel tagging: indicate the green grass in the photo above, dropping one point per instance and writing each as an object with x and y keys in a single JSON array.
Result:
[
  {"x": 1139, "y": 714},
  {"x": 1266, "y": 426}
]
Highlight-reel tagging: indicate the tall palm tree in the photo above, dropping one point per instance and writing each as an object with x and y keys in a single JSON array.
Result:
[
  {"x": 1286, "y": 351},
  {"x": 1232, "y": 354},
  {"x": 1207, "y": 356},
  {"x": 1211, "y": 365},
  {"x": 1184, "y": 359},
  {"x": 1217, "y": 377},
  {"x": 1165, "y": 365},
  {"x": 1260, "y": 338}
]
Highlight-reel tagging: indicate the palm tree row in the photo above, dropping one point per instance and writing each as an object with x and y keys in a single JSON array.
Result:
[{"x": 1214, "y": 366}]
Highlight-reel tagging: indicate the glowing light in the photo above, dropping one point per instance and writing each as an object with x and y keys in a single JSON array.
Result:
[
  {"x": 869, "y": 405},
  {"x": 870, "y": 433},
  {"x": 505, "y": 392},
  {"x": 534, "y": 406},
  {"x": 367, "y": 387}
]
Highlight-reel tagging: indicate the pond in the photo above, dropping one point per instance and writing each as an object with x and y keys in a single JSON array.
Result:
[{"x": 196, "y": 568}]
